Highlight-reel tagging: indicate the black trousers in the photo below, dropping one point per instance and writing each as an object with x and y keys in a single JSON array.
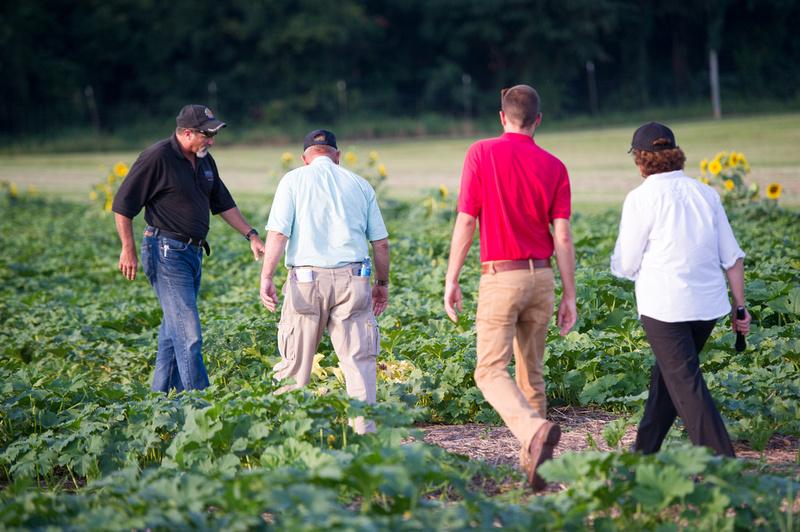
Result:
[{"x": 677, "y": 388}]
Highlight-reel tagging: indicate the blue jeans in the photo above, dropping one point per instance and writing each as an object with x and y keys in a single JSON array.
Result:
[{"x": 173, "y": 269}]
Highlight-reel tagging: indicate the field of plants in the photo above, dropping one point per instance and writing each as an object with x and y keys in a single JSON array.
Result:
[{"x": 85, "y": 445}]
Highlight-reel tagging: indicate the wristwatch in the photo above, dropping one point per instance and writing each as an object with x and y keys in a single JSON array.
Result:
[
  {"x": 250, "y": 233},
  {"x": 382, "y": 282}
]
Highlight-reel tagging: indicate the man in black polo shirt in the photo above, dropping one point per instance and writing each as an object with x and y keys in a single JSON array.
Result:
[{"x": 177, "y": 183}]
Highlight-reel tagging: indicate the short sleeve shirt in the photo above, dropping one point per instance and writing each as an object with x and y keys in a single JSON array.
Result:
[
  {"x": 176, "y": 196},
  {"x": 515, "y": 189},
  {"x": 328, "y": 213}
]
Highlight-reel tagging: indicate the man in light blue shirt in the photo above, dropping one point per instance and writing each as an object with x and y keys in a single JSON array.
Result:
[{"x": 327, "y": 214}]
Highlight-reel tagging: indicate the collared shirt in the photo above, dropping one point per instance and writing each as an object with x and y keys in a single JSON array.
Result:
[
  {"x": 328, "y": 212},
  {"x": 515, "y": 189},
  {"x": 674, "y": 242},
  {"x": 176, "y": 197}
]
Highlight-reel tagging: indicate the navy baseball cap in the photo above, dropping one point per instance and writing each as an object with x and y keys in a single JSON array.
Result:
[
  {"x": 320, "y": 137},
  {"x": 198, "y": 117},
  {"x": 653, "y": 137}
]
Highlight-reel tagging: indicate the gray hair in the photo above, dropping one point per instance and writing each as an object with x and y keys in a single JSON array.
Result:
[{"x": 322, "y": 149}]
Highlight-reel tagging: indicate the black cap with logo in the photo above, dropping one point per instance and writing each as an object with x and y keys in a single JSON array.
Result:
[
  {"x": 198, "y": 117},
  {"x": 320, "y": 137},
  {"x": 653, "y": 137}
]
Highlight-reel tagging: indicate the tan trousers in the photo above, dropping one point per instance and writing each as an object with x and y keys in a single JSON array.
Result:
[
  {"x": 514, "y": 310},
  {"x": 339, "y": 300}
]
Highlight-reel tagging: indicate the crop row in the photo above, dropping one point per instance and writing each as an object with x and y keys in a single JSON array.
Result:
[{"x": 84, "y": 444}]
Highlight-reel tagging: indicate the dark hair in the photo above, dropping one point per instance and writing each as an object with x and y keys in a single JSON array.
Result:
[
  {"x": 656, "y": 162},
  {"x": 520, "y": 104}
]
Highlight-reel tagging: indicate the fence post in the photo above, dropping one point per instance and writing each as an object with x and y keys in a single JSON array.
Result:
[
  {"x": 713, "y": 70},
  {"x": 592, "y": 81}
]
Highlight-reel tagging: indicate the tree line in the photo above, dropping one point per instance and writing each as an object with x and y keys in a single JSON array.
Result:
[{"x": 112, "y": 63}]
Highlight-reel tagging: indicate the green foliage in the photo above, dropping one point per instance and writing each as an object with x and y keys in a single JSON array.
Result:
[
  {"x": 84, "y": 444},
  {"x": 679, "y": 487}
]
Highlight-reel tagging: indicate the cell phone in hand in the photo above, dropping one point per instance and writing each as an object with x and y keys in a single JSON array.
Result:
[{"x": 741, "y": 343}]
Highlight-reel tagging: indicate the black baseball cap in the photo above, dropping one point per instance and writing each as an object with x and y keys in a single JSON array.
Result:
[
  {"x": 198, "y": 117},
  {"x": 320, "y": 137},
  {"x": 652, "y": 137}
]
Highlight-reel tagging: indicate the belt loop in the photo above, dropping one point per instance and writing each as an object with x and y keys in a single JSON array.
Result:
[
  {"x": 491, "y": 268},
  {"x": 530, "y": 264}
]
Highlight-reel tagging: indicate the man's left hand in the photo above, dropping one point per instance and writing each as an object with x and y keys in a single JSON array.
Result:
[
  {"x": 380, "y": 298},
  {"x": 257, "y": 246}
]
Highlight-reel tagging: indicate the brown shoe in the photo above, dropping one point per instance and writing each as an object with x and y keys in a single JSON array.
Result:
[{"x": 541, "y": 450}]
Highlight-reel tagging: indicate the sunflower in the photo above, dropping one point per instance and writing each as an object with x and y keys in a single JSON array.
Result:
[
  {"x": 373, "y": 157},
  {"x": 120, "y": 169},
  {"x": 715, "y": 167},
  {"x": 350, "y": 158},
  {"x": 729, "y": 184},
  {"x": 382, "y": 170},
  {"x": 443, "y": 192},
  {"x": 704, "y": 165},
  {"x": 704, "y": 180},
  {"x": 774, "y": 191},
  {"x": 743, "y": 162},
  {"x": 735, "y": 158}
]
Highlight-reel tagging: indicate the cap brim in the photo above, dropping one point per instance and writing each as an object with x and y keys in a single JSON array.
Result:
[{"x": 213, "y": 126}]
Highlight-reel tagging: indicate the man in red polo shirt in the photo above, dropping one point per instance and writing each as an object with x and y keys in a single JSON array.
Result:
[{"x": 518, "y": 191}]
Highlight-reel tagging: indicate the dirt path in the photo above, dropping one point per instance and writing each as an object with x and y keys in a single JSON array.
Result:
[{"x": 497, "y": 446}]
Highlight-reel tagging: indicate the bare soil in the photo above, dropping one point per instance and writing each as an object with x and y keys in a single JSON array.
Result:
[{"x": 496, "y": 446}]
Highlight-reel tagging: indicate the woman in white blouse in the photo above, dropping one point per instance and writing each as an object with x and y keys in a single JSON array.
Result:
[{"x": 675, "y": 242}]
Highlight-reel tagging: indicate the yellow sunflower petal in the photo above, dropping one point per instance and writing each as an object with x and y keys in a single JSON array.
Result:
[
  {"x": 774, "y": 191},
  {"x": 120, "y": 169}
]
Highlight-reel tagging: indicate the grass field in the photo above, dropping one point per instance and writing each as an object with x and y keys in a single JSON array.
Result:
[{"x": 599, "y": 166}]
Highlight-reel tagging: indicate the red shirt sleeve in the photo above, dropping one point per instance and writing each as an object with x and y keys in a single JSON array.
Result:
[
  {"x": 561, "y": 206},
  {"x": 470, "y": 197}
]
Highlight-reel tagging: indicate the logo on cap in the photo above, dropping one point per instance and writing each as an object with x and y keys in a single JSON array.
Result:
[{"x": 209, "y": 114}]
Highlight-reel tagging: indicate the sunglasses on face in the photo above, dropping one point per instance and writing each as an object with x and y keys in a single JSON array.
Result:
[{"x": 206, "y": 134}]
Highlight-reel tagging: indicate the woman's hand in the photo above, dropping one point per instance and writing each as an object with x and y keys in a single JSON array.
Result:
[{"x": 743, "y": 325}]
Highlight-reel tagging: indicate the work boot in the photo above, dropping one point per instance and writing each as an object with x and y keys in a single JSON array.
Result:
[{"x": 541, "y": 450}]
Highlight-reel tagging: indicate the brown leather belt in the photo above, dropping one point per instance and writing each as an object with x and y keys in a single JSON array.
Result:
[{"x": 508, "y": 265}]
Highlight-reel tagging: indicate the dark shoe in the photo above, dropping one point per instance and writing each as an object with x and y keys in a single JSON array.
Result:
[{"x": 541, "y": 450}]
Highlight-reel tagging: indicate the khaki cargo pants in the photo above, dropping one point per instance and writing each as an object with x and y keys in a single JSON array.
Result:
[
  {"x": 514, "y": 310},
  {"x": 339, "y": 300}
]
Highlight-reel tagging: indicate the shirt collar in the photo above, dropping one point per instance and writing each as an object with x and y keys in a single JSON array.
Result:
[
  {"x": 176, "y": 148},
  {"x": 518, "y": 137},
  {"x": 665, "y": 175},
  {"x": 321, "y": 159}
]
